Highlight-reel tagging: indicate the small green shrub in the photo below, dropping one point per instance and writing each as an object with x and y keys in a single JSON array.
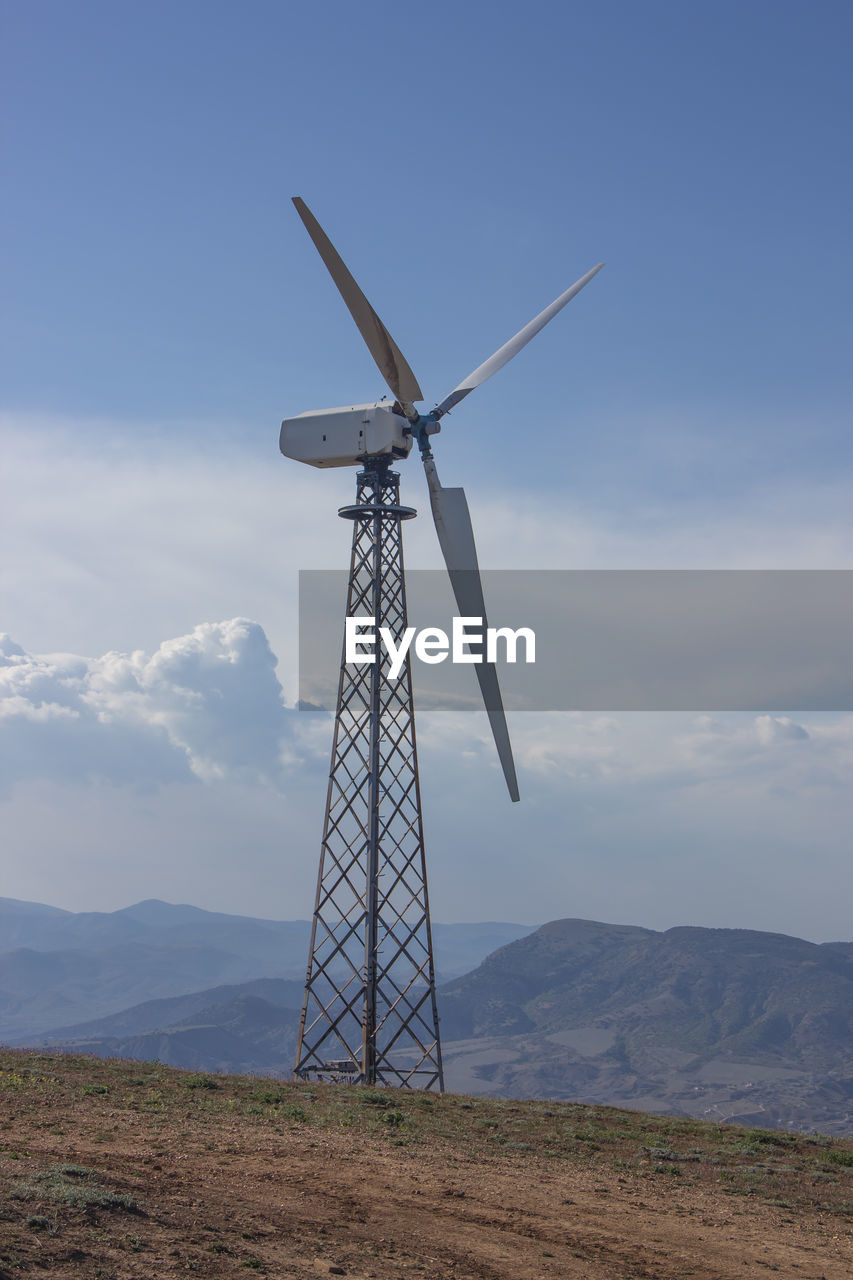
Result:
[
  {"x": 772, "y": 1137},
  {"x": 844, "y": 1158},
  {"x": 201, "y": 1082},
  {"x": 374, "y": 1098}
]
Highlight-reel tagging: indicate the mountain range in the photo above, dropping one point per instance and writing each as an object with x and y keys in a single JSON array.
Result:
[
  {"x": 722, "y": 1024},
  {"x": 60, "y": 968},
  {"x": 714, "y": 1023}
]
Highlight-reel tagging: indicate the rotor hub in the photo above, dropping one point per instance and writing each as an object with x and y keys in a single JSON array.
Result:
[{"x": 422, "y": 428}]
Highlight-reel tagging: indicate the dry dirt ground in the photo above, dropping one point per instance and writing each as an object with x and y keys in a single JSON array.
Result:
[{"x": 119, "y": 1169}]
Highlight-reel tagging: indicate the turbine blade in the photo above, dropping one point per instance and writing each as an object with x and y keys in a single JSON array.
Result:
[
  {"x": 456, "y": 537},
  {"x": 505, "y": 353},
  {"x": 389, "y": 359}
]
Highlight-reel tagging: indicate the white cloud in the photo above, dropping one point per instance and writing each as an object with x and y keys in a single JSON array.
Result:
[
  {"x": 686, "y": 750},
  {"x": 126, "y": 532},
  {"x": 779, "y": 729},
  {"x": 208, "y": 701},
  {"x": 786, "y": 523},
  {"x": 645, "y": 818},
  {"x": 214, "y": 692},
  {"x": 124, "y": 538},
  {"x": 123, "y": 535}
]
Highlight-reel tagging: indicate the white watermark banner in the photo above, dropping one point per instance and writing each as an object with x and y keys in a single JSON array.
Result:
[
  {"x": 598, "y": 640},
  {"x": 470, "y": 641}
]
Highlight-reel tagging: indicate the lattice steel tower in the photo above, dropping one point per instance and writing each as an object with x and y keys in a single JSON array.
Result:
[{"x": 369, "y": 1014}]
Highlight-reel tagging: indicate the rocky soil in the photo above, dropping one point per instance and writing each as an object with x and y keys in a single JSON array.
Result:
[{"x": 122, "y": 1169}]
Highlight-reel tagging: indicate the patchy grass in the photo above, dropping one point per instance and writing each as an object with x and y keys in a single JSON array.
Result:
[
  {"x": 101, "y": 1109},
  {"x": 788, "y": 1166},
  {"x": 72, "y": 1185}
]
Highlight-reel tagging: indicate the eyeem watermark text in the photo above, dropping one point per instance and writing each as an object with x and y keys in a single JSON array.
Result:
[{"x": 432, "y": 645}]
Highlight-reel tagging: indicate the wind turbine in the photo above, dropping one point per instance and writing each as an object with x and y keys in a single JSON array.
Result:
[{"x": 369, "y": 1013}]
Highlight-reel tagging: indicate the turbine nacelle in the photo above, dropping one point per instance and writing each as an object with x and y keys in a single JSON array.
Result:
[{"x": 345, "y": 437}]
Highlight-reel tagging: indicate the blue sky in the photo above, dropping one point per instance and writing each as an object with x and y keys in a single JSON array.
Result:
[{"x": 163, "y": 309}]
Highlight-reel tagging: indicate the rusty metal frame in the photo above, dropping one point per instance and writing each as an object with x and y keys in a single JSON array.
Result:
[{"x": 369, "y": 1014}]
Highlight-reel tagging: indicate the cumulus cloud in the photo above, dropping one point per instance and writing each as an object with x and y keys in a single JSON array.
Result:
[
  {"x": 207, "y": 705},
  {"x": 652, "y": 818},
  {"x": 640, "y": 817},
  {"x": 685, "y": 750},
  {"x": 778, "y": 729},
  {"x": 115, "y": 549}
]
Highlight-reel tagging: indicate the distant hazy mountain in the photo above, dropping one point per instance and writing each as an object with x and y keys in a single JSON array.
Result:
[
  {"x": 155, "y": 1015},
  {"x": 237, "y": 1033},
  {"x": 715, "y": 1022},
  {"x": 61, "y": 968},
  {"x": 44, "y": 989},
  {"x": 152, "y": 923}
]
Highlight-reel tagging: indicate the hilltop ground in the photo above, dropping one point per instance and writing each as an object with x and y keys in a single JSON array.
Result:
[{"x": 124, "y": 1169}]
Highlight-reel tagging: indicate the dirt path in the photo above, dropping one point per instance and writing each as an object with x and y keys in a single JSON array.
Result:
[
  {"x": 104, "y": 1176},
  {"x": 302, "y": 1205}
]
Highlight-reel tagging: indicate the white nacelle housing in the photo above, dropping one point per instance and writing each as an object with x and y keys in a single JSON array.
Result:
[{"x": 344, "y": 437}]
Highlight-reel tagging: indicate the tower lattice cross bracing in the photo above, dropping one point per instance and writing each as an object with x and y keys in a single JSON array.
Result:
[{"x": 369, "y": 1013}]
